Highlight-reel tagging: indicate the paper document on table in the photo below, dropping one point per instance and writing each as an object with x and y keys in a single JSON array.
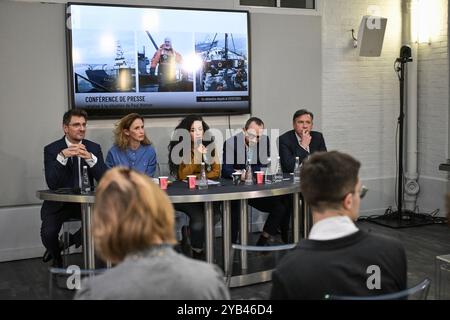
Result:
[{"x": 210, "y": 182}]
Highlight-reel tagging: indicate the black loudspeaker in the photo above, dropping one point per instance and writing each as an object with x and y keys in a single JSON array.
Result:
[{"x": 371, "y": 36}]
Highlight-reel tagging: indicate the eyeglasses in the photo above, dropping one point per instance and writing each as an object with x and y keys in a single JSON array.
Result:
[
  {"x": 363, "y": 191},
  {"x": 78, "y": 125},
  {"x": 252, "y": 136}
]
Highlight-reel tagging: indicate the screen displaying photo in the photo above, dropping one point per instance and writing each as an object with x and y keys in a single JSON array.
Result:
[{"x": 157, "y": 61}]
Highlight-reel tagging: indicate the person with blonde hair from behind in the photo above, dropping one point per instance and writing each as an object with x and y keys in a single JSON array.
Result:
[
  {"x": 133, "y": 227},
  {"x": 132, "y": 148}
]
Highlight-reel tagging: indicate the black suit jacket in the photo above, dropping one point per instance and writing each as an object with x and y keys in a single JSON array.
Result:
[
  {"x": 235, "y": 154},
  {"x": 290, "y": 148},
  {"x": 58, "y": 176}
]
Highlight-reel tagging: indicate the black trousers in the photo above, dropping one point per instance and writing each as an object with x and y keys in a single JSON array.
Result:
[
  {"x": 52, "y": 223},
  {"x": 278, "y": 208},
  {"x": 196, "y": 214}
]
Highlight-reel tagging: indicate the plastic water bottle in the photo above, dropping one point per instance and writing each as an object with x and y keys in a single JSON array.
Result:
[
  {"x": 203, "y": 183},
  {"x": 268, "y": 172},
  {"x": 248, "y": 173},
  {"x": 85, "y": 184},
  {"x": 278, "y": 172},
  {"x": 297, "y": 169}
]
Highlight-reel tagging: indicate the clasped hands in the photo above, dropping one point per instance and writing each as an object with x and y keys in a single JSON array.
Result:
[{"x": 77, "y": 150}]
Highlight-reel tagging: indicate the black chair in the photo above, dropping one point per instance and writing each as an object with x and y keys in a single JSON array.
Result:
[{"x": 418, "y": 292}]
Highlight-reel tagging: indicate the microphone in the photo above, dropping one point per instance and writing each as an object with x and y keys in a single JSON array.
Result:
[{"x": 206, "y": 160}]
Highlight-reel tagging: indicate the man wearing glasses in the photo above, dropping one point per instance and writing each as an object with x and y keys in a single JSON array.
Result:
[
  {"x": 252, "y": 146},
  {"x": 338, "y": 258},
  {"x": 63, "y": 162}
]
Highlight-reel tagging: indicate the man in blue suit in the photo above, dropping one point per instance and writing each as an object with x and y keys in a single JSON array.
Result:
[
  {"x": 301, "y": 141},
  {"x": 63, "y": 160}
]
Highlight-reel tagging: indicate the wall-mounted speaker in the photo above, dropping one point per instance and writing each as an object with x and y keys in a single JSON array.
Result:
[{"x": 371, "y": 36}]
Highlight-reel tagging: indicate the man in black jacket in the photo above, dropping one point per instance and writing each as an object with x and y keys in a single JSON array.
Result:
[
  {"x": 338, "y": 258},
  {"x": 63, "y": 162},
  {"x": 301, "y": 141},
  {"x": 251, "y": 144}
]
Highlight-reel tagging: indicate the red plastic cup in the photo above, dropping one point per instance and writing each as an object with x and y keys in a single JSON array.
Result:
[
  {"x": 259, "y": 177},
  {"x": 163, "y": 182},
  {"x": 191, "y": 181}
]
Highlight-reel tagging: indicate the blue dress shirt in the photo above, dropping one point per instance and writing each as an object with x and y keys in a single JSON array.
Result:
[{"x": 143, "y": 159}]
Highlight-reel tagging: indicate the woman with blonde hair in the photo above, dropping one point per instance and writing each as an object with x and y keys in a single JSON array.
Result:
[
  {"x": 133, "y": 227},
  {"x": 131, "y": 147}
]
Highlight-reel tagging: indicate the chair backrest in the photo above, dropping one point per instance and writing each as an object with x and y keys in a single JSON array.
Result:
[
  {"x": 274, "y": 253},
  {"x": 63, "y": 282},
  {"x": 418, "y": 292}
]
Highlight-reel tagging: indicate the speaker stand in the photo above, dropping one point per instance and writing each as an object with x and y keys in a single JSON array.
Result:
[{"x": 402, "y": 218}]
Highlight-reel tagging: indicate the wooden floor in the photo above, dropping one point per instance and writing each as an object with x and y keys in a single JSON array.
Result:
[{"x": 29, "y": 279}]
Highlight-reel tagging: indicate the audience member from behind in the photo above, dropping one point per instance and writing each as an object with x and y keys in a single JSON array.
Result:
[
  {"x": 133, "y": 227},
  {"x": 64, "y": 160},
  {"x": 301, "y": 141},
  {"x": 338, "y": 258},
  {"x": 131, "y": 147}
]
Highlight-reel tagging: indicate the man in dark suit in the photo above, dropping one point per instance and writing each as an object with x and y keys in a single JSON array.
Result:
[
  {"x": 63, "y": 160},
  {"x": 251, "y": 144},
  {"x": 299, "y": 142}
]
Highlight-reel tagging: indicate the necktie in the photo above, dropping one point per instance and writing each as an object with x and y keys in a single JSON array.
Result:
[{"x": 76, "y": 172}]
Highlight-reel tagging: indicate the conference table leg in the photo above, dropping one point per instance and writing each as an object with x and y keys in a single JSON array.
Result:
[
  {"x": 209, "y": 232},
  {"x": 244, "y": 231},
  {"x": 307, "y": 219},
  {"x": 88, "y": 241},
  {"x": 296, "y": 219},
  {"x": 226, "y": 230}
]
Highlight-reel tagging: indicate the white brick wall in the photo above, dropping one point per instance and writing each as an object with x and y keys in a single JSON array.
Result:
[
  {"x": 433, "y": 92},
  {"x": 360, "y": 95},
  {"x": 361, "y": 99},
  {"x": 433, "y": 73}
]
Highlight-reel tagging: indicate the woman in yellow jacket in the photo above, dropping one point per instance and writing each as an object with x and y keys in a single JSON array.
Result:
[{"x": 192, "y": 144}]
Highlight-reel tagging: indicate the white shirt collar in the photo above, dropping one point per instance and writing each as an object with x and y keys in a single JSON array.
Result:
[
  {"x": 332, "y": 228},
  {"x": 70, "y": 143},
  {"x": 299, "y": 139}
]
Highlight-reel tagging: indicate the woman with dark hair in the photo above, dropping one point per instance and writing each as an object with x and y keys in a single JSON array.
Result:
[
  {"x": 131, "y": 147},
  {"x": 189, "y": 147},
  {"x": 133, "y": 227}
]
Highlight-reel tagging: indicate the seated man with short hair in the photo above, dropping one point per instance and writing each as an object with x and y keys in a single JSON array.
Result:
[{"x": 338, "y": 258}]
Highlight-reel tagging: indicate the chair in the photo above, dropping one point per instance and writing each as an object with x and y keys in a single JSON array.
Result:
[
  {"x": 68, "y": 280},
  {"x": 442, "y": 288},
  {"x": 418, "y": 292},
  {"x": 256, "y": 263}
]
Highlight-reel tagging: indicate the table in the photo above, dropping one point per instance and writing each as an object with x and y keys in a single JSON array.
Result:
[{"x": 179, "y": 192}]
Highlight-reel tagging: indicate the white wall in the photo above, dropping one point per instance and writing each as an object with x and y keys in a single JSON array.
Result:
[
  {"x": 360, "y": 96},
  {"x": 433, "y": 92}
]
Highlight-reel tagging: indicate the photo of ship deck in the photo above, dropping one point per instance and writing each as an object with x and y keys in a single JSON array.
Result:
[
  {"x": 224, "y": 62},
  {"x": 106, "y": 63}
]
